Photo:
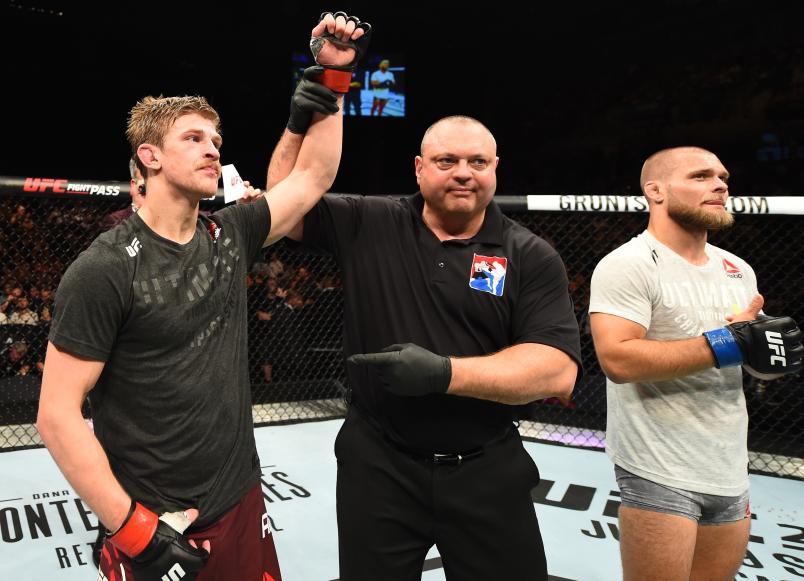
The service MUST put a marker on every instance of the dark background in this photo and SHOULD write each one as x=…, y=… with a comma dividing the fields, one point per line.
x=577, y=93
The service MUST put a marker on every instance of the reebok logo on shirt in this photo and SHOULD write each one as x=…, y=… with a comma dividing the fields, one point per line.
x=731, y=270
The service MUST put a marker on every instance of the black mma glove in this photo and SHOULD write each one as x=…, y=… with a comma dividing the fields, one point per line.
x=335, y=77
x=157, y=550
x=766, y=345
x=310, y=97
x=408, y=370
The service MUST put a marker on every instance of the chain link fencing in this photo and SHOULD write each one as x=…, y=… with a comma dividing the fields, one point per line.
x=295, y=323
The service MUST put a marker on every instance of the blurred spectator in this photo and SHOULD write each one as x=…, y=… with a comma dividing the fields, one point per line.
x=295, y=301
x=303, y=284
x=15, y=360
x=276, y=267
x=46, y=311
x=21, y=218
x=12, y=295
x=22, y=313
x=260, y=269
x=327, y=284
x=274, y=293
x=35, y=299
x=5, y=292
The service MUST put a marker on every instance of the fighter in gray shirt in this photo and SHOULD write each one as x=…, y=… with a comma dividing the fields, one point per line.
x=672, y=319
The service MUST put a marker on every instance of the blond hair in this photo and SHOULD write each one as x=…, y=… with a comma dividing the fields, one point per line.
x=151, y=118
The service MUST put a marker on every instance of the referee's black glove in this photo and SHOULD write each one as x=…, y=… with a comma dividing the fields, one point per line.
x=310, y=97
x=408, y=370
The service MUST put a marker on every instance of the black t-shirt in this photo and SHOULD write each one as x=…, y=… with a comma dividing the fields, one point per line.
x=502, y=287
x=172, y=407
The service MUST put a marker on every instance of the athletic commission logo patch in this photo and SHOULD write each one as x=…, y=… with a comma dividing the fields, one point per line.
x=488, y=274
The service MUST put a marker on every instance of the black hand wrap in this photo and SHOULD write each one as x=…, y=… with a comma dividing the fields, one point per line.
x=336, y=77
x=768, y=345
x=168, y=556
x=310, y=97
x=408, y=370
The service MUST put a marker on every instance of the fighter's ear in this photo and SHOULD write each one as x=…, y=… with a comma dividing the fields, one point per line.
x=149, y=156
x=653, y=192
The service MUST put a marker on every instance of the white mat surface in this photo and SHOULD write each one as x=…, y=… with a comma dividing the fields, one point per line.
x=45, y=532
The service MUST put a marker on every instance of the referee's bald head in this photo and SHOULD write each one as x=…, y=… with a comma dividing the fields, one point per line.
x=431, y=133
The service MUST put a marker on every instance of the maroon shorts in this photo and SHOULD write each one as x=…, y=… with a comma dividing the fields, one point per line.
x=241, y=543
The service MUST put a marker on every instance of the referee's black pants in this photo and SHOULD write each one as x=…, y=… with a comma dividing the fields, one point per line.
x=392, y=507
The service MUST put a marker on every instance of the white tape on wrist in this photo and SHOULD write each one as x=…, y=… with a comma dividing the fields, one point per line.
x=176, y=520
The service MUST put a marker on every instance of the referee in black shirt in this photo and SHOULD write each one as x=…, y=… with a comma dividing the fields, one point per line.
x=453, y=316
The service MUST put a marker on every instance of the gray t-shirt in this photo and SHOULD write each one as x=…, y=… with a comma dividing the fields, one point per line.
x=172, y=407
x=690, y=432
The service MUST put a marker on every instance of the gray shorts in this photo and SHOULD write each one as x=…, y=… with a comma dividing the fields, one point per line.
x=705, y=509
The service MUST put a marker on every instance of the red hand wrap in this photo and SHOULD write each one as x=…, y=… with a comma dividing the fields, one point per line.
x=136, y=532
x=337, y=81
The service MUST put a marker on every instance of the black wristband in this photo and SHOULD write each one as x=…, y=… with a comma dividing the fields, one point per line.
x=125, y=520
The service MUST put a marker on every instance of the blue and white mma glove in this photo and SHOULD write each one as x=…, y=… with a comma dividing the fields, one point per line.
x=767, y=347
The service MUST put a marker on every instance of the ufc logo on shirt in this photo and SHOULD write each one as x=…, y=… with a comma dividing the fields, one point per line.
x=776, y=344
x=134, y=247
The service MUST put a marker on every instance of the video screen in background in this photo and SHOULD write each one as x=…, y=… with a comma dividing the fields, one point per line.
x=377, y=88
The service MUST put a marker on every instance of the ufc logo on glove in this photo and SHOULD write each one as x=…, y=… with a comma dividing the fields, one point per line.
x=776, y=343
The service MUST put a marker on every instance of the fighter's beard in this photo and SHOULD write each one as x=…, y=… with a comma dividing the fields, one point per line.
x=698, y=218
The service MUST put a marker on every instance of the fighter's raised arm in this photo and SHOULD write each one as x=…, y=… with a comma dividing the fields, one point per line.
x=304, y=163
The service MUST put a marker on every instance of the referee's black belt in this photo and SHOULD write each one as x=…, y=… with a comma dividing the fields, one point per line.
x=435, y=458
x=455, y=459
